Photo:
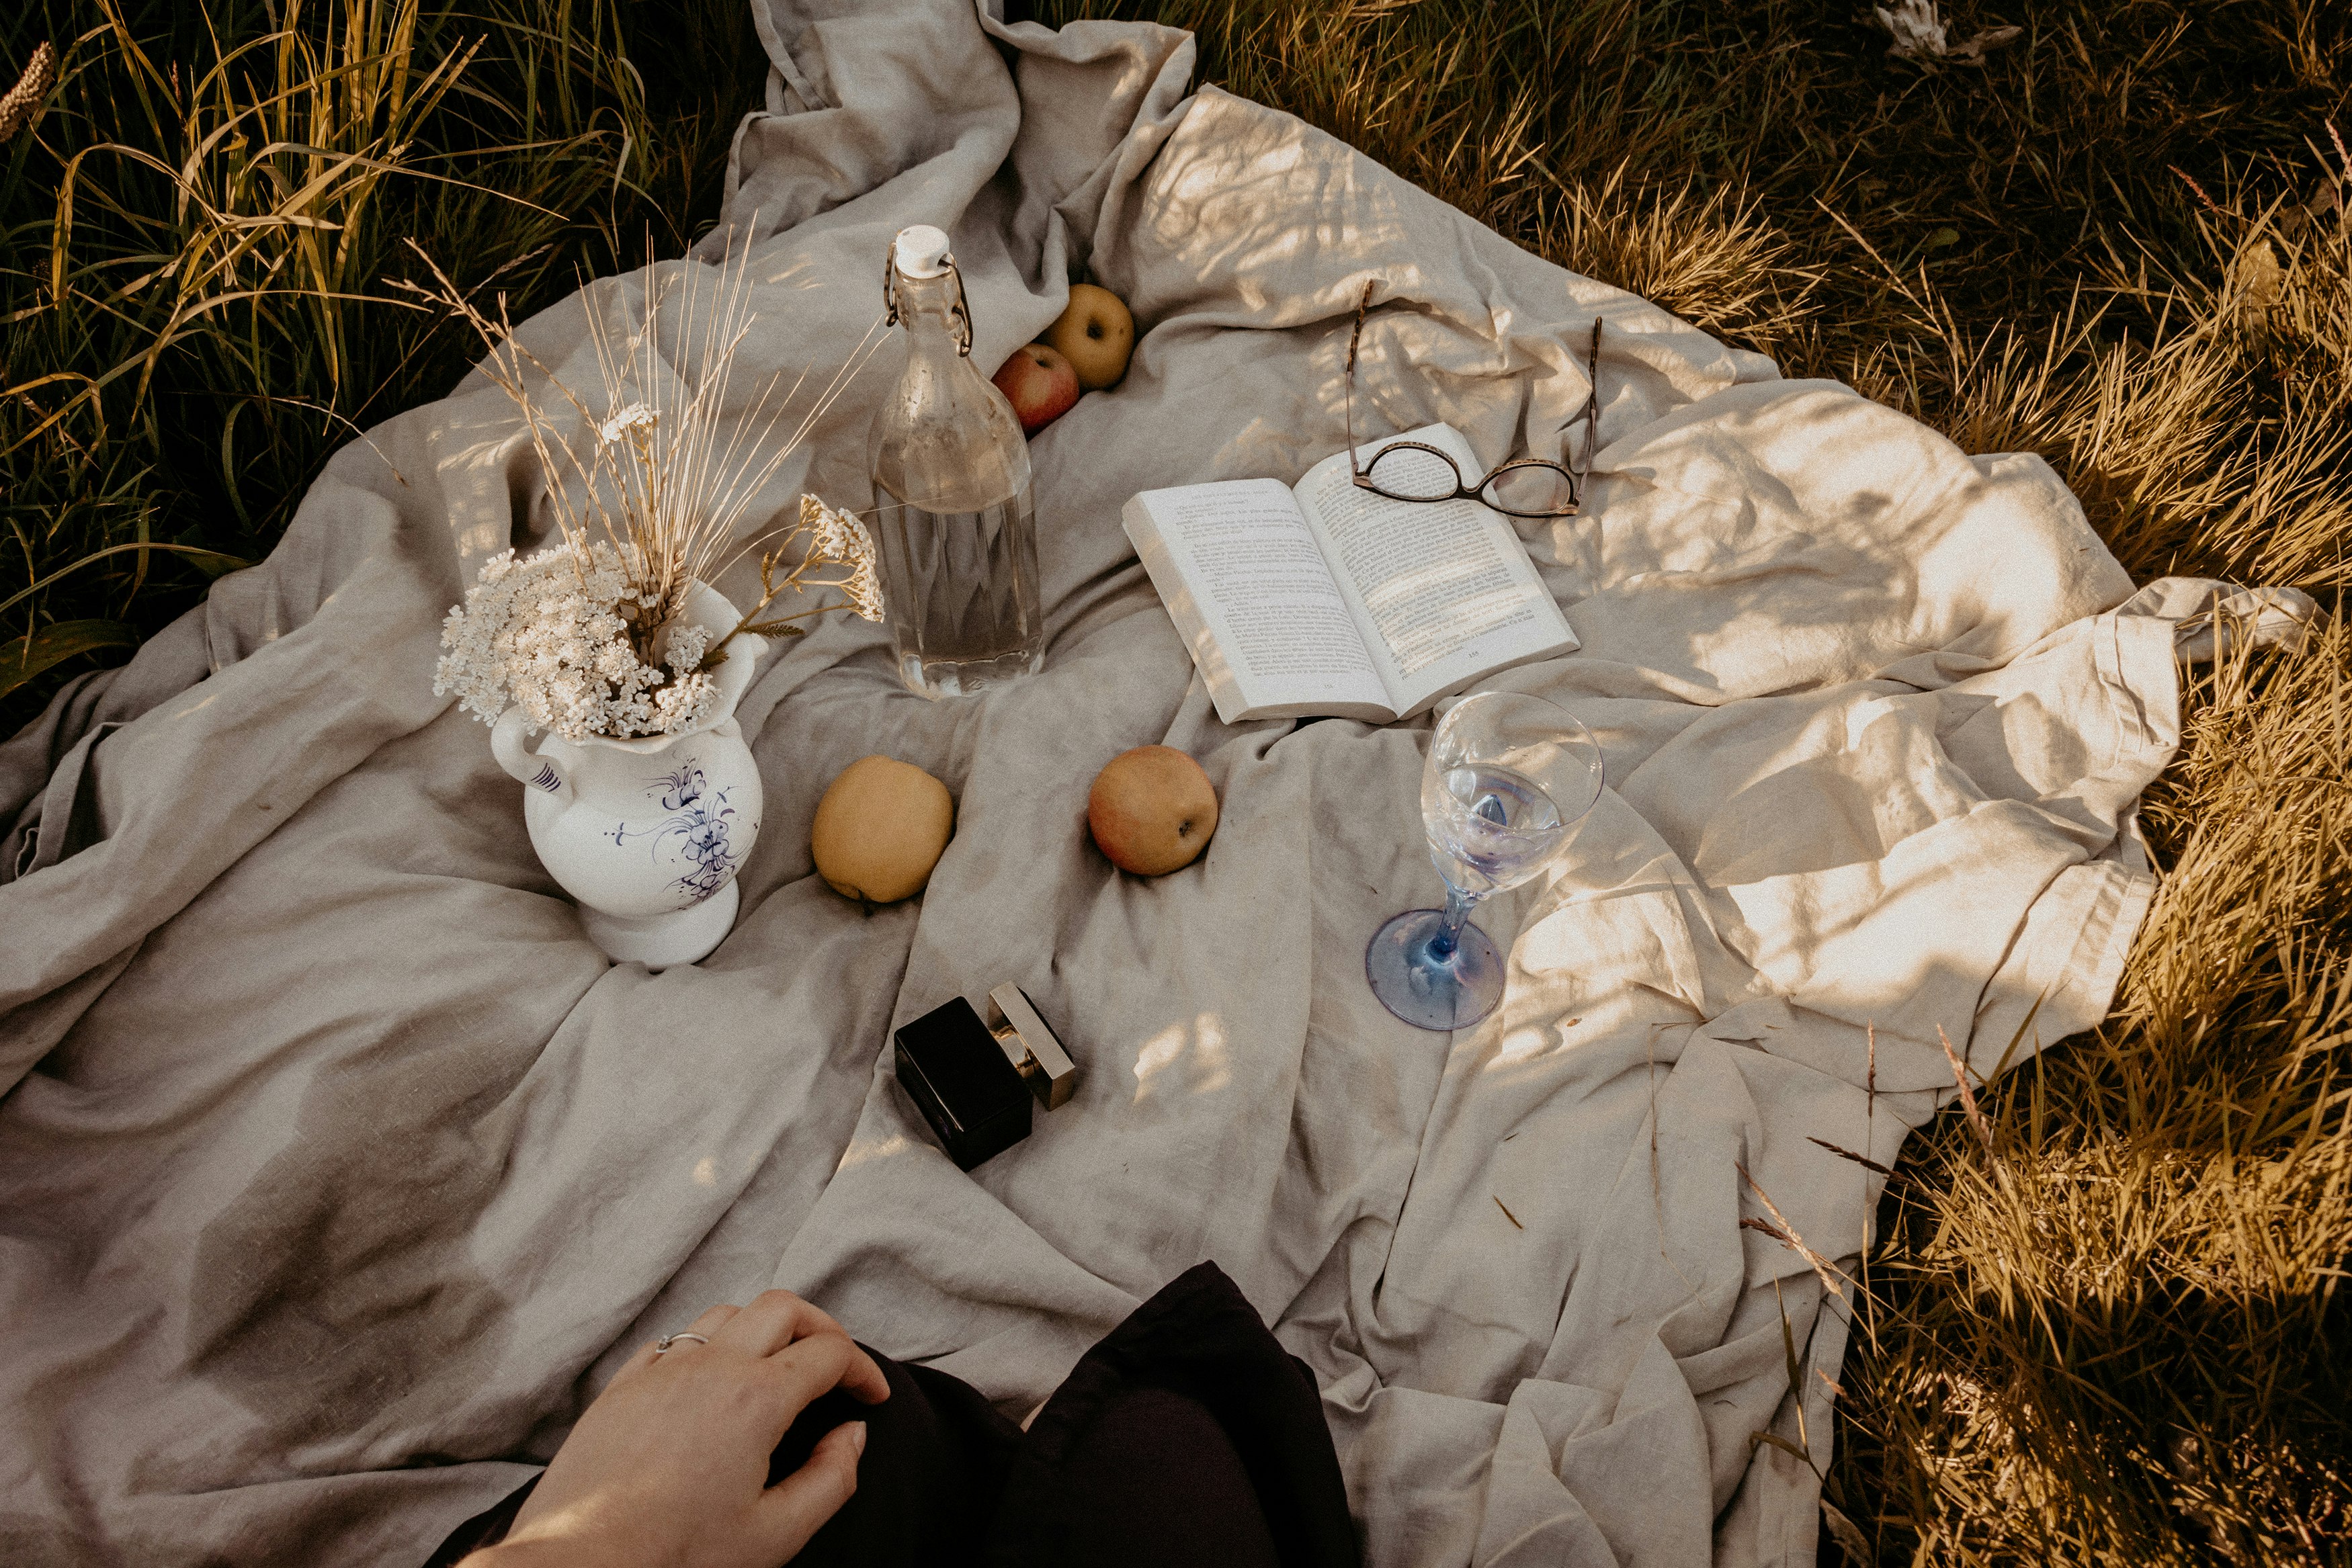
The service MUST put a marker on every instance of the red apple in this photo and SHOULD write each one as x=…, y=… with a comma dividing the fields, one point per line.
x=1039, y=383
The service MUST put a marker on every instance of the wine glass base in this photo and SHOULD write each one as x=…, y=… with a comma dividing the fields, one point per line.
x=1427, y=992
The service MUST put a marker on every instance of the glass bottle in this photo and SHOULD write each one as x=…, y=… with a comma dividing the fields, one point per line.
x=955, y=528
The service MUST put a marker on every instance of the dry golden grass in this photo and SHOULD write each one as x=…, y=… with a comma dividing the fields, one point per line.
x=2115, y=1337
x=199, y=225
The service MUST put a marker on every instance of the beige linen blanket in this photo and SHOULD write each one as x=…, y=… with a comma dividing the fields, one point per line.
x=337, y=1169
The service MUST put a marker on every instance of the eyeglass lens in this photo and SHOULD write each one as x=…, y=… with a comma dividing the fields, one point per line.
x=1415, y=474
x=1534, y=487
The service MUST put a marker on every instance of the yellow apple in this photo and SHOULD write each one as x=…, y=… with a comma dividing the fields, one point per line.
x=1151, y=810
x=1095, y=334
x=880, y=829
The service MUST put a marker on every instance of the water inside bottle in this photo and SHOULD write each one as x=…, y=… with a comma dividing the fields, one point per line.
x=963, y=589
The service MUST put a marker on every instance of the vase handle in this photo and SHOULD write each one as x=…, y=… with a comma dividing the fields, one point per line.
x=514, y=754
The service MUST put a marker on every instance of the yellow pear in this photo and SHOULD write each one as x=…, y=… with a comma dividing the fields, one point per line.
x=880, y=829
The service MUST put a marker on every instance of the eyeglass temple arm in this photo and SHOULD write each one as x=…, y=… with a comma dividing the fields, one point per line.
x=1348, y=383
x=1591, y=408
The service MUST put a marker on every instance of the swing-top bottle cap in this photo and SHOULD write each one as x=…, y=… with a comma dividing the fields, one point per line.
x=921, y=251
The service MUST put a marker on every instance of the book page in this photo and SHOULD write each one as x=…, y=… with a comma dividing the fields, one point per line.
x=1269, y=624
x=1444, y=589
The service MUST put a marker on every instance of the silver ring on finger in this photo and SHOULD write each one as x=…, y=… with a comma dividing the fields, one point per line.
x=669, y=1342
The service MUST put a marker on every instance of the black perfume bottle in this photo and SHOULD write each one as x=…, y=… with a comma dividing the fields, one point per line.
x=973, y=1080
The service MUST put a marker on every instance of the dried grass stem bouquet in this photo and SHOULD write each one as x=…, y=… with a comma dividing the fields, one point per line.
x=593, y=637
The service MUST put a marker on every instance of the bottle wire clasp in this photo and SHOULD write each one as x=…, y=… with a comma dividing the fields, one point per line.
x=956, y=312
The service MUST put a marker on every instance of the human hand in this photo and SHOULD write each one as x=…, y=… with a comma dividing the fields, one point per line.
x=669, y=1466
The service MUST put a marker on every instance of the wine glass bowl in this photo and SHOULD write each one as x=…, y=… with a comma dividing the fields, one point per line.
x=1507, y=778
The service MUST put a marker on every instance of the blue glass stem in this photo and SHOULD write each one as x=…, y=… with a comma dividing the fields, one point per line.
x=1457, y=911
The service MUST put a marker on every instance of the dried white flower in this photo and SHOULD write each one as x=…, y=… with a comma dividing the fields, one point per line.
x=833, y=534
x=637, y=416
x=864, y=590
x=838, y=537
x=546, y=633
x=687, y=641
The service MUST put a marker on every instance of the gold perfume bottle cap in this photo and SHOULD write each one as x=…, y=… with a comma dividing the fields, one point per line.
x=1032, y=1046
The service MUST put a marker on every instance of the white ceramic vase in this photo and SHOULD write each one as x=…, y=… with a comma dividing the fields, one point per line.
x=647, y=835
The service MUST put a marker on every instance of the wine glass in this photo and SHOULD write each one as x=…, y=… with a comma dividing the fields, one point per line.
x=1508, y=780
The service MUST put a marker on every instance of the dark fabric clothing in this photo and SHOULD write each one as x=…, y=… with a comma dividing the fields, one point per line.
x=936, y=1453
x=1186, y=1436
x=1190, y=1410
x=1156, y=1484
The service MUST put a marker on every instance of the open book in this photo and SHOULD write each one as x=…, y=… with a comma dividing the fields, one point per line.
x=1322, y=598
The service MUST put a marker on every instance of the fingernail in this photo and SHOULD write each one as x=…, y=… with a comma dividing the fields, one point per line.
x=858, y=1436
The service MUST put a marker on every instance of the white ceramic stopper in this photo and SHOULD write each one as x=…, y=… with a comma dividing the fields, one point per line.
x=921, y=251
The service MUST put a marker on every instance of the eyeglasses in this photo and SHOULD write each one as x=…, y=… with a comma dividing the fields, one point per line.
x=1522, y=487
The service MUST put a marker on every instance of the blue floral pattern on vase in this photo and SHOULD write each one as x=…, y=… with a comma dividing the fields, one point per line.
x=699, y=817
